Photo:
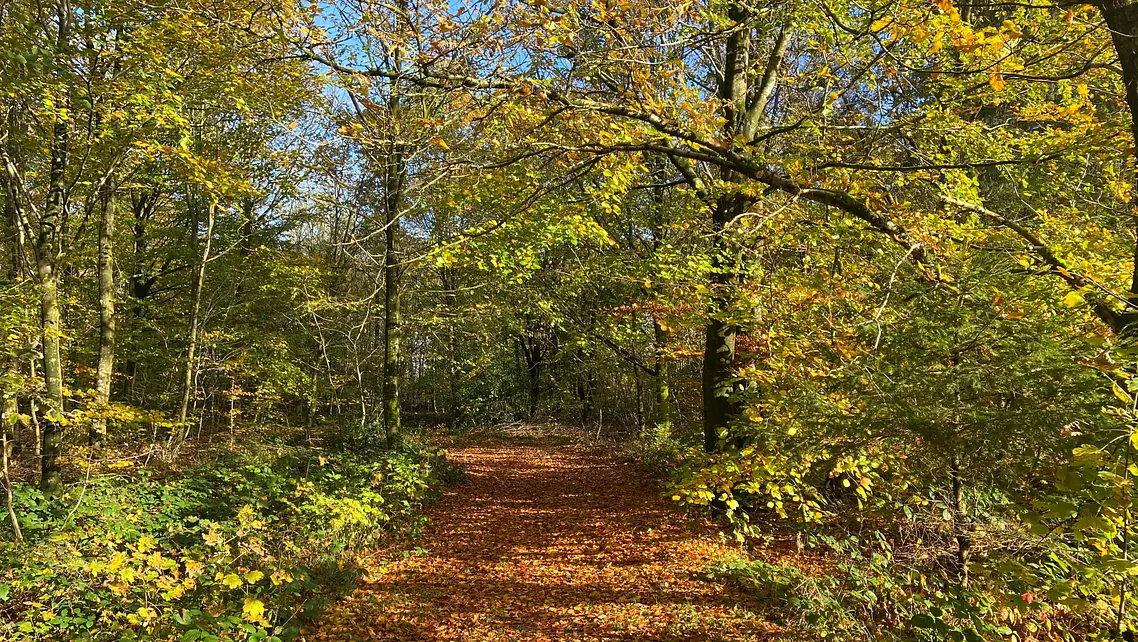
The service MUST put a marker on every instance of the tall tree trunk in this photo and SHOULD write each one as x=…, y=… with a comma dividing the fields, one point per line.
x=139, y=291
x=16, y=240
x=534, y=356
x=663, y=408
x=960, y=525
x=638, y=384
x=454, y=406
x=47, y=257
x=395, y=174
x=721, y=406
x=14, y=243
x=141, y=284
x=392, y=425
x=195, y=319
x=48, y=249
x=10, y=178
x=1122, y=18
x=105, y=368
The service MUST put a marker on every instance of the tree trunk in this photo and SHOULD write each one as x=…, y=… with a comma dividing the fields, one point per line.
x=104, y=369
x=34, y=411
x=14, y=242
x=450, y=285
x=47, y=275
x=1122, y=18
x=50, y=320
x=392, y=425
x=638, y=384
x=534, y=389
x=533, y=361
x=195, y=319
x=13, y=219
x=395, y=174
x=6, y=452
x=663, y=409
x=721, y=407
x=960, y=526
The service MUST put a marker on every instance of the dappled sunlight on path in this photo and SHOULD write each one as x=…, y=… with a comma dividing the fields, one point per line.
x=548, y=542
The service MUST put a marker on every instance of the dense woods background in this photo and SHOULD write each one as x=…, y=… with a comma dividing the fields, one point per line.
x=864, y=271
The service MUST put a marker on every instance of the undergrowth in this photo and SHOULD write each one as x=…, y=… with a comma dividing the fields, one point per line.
x=246, y=548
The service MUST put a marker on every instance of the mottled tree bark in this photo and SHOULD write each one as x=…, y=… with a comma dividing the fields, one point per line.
x=395, y=175
x=392, y=331
x=105, y=367
x=48, y=245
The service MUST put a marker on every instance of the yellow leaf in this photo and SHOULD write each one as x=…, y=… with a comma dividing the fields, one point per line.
x=1072, y=299
x=194, y=568
x=253, y=577
x=440, y=142
x=937, y=44
x=996, y=80
x=254, y=610
x=232, y=580
x=147, y=613
x=1122, y=395
x=118, y=560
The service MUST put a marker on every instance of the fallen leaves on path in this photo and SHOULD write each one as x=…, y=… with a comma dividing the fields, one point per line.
x=548, y=542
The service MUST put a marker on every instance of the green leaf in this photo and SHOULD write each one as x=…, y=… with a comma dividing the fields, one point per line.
x=922, y=621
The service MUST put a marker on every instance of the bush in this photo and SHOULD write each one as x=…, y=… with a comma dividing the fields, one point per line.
x=244, y=549
x=863, y=592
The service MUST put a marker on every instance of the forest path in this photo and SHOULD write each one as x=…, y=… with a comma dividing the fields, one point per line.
x=548, y=540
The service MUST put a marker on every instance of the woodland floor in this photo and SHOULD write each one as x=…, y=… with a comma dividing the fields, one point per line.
x=549, y=539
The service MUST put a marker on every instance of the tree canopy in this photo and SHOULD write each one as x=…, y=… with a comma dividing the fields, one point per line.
x=864, y=271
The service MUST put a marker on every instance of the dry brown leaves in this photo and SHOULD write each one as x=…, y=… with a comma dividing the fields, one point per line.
x=547, y=542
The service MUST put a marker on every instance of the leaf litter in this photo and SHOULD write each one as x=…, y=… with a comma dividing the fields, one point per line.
x=549, y=541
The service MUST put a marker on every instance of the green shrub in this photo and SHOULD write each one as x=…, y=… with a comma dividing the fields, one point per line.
x=242, y=549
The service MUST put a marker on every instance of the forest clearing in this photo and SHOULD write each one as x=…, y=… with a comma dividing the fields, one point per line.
x=568, y=320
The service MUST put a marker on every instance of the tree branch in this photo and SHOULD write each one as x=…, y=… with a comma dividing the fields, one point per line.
x=1054, y=264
